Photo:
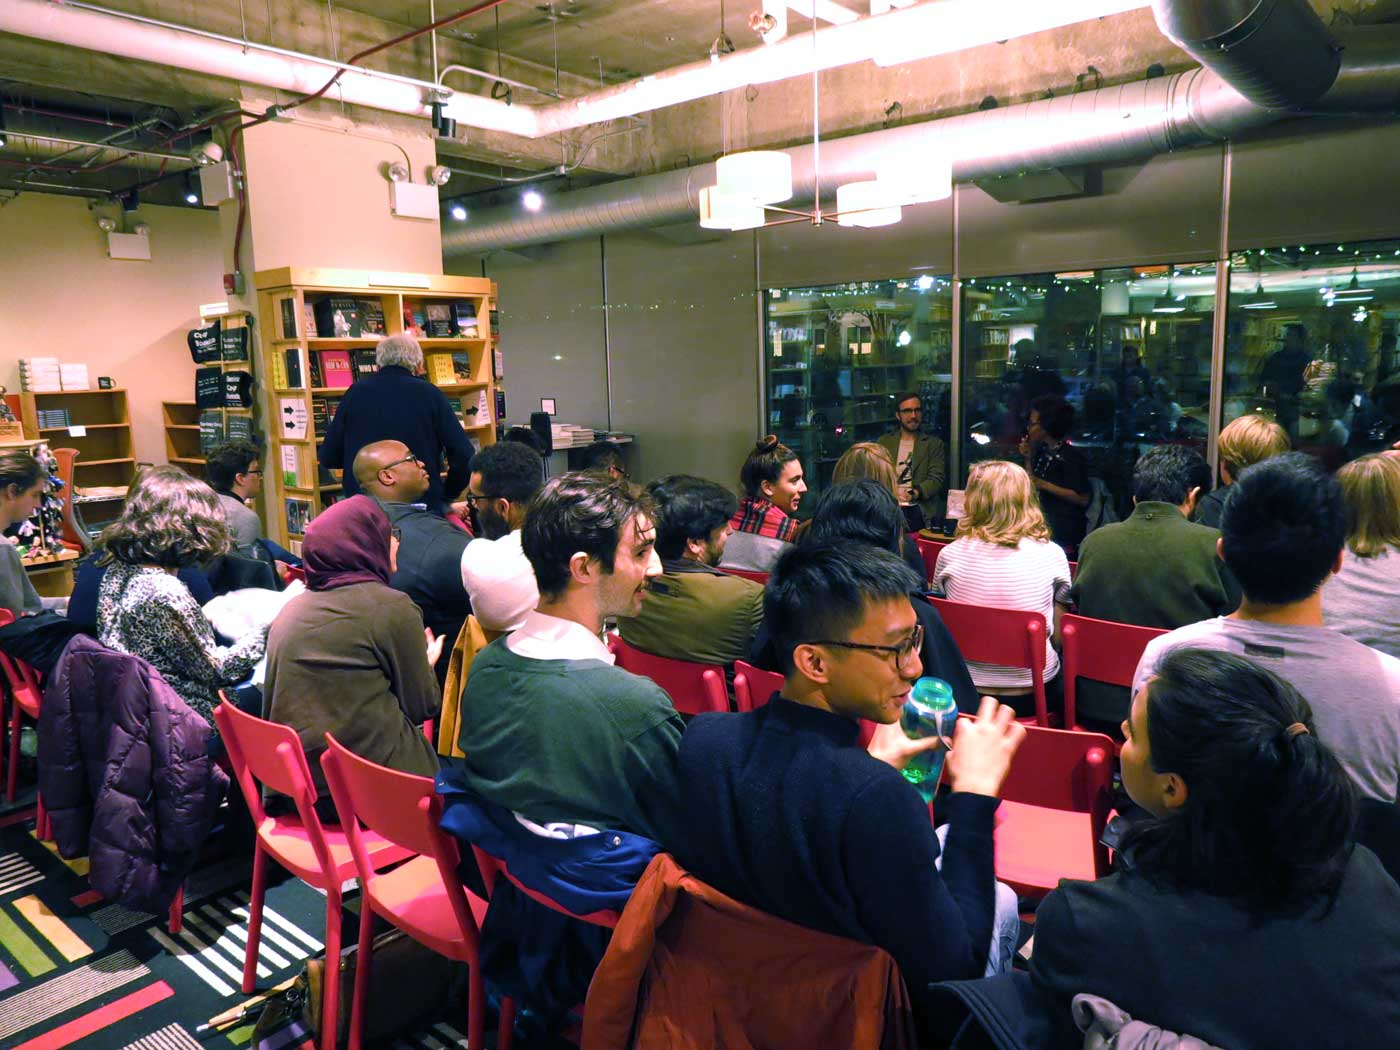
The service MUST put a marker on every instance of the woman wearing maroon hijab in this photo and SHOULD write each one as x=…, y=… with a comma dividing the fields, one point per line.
x=347, y=657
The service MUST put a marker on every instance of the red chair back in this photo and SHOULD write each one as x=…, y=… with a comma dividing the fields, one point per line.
x=693, y=688
x=23, y=679
x=754, y=687
x=1099, y=649
x=929, y=549
x=1064, y=770
x=1008, y=637
x=294, y=572
x=760, y=578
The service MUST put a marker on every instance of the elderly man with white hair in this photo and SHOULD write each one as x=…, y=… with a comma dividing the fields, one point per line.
x=396, y=403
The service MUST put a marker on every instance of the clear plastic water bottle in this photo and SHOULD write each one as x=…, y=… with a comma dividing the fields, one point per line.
x=929, y=711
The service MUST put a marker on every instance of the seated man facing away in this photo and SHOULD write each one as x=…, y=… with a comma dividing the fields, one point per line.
x=494, y=570
x=430, y=548
x=782, y=810
x=694, y=611
x=1157, y=569
x=550, y=728
x=1282, y=536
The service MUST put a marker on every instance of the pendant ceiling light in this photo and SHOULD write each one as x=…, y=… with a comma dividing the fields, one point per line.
x=915, y=178
x=757, y=176
x=719, y=212
x=1169, y=303
x=1259, y=300
x=865, y=204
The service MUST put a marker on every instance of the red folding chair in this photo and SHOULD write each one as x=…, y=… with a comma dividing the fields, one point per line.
x=269, y=753
x=1008, y=637
x=754, y=687
x=423, y=897
x=294, y=572
x=693, y=688
x=1054, y=806
x=1099, y=649
x=26, y=695
x=760, y=578
x=929, y=549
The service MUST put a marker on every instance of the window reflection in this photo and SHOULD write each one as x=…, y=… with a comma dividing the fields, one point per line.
x=1310, y=343
x=1127, y=349
x=839, y=357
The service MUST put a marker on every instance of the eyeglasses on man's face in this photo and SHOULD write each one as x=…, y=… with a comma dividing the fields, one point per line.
x=407, y=459
x=901, y=652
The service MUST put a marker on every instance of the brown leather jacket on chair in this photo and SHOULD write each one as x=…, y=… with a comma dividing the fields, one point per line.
x=689, y=967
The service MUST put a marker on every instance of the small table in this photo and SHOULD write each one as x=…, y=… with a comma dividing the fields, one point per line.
x=52, y=574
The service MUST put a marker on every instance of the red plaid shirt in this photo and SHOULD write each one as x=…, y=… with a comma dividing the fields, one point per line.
x=762, y=518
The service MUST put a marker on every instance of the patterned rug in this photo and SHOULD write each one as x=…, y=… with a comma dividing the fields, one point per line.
x=76, y=970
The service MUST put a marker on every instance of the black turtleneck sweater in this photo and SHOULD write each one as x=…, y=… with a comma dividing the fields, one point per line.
x=783, y=810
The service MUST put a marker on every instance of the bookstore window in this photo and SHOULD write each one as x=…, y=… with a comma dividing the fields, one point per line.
x=838, y=358
x=1129, y=350
x=1310, y=343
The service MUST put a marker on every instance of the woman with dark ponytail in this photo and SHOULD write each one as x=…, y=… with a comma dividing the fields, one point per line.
x=1246, y=915
x=22, y=482
x=771, y=487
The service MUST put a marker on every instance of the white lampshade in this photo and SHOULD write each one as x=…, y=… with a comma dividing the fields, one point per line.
x=719, y=212
x=865, y=204
x=915, y=177
x=758, y=177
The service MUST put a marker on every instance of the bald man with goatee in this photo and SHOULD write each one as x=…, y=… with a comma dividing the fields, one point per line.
x=429, y=552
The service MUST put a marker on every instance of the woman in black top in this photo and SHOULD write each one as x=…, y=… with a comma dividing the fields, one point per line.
x=1057, y=469
x=1247, y=916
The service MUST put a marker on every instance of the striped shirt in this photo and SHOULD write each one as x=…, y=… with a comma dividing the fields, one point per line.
x=763, y=518
x=1033, y=575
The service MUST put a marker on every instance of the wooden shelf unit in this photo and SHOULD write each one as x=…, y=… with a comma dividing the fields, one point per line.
x=285, y=335
x=181, y=422
x=106, y=455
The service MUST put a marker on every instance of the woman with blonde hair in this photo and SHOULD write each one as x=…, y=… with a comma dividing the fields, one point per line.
x=1245, y=441
x=1003, y=557
x=170, y=522
x=1362, y=600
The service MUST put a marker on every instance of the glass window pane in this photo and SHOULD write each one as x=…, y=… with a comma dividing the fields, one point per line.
x=839, y=357
x=1310, y=344
x=1127, y=349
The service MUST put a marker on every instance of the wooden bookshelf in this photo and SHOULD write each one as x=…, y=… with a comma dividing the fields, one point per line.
x=99, y=428
x=181, y=422
x=462, y=366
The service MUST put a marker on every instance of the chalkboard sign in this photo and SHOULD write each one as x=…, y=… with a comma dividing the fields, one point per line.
x=204, y=343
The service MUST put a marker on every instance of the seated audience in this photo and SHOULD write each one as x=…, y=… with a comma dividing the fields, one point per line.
x=170, y=521
x=347, y=657
x=551, y=729
x=1245, y=914
x=867, y=459
x=233, y=472
x=864, y=511
x=1002, y=557
x=605, y=456
x=1057, y=469
x=1363, y=599
x=694, y=611
x=22, y=482
x=1282, y=536
x=1245, y=441
x=1157, y=569
x=782, y=810
x=429, y=555
x=494, y=570
x=763, y=526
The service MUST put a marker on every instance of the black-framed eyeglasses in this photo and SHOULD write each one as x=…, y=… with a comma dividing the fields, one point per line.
x=471, y=501
x=259, y=472
x=406, y=459
x=913, y=644
x=907, y=411
x=397, y=533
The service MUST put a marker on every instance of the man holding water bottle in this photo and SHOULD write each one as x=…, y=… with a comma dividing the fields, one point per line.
x=784, y=811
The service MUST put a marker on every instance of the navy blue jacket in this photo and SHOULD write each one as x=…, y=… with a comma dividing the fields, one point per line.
x=782, y=810
x=395, y=405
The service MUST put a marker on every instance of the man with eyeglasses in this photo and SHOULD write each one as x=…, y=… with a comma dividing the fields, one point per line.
x=499, y=578
x=920, y=463
x=233, y=471
x=784, y=811
x=430, y=548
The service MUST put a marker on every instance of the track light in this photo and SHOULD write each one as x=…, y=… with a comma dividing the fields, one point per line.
x=191, y=194
x=439, y=174
x=532, y=200
x=131, y=200
x=444, y=125
x=458, y=212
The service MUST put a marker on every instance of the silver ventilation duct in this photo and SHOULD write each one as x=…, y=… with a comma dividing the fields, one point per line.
x=1111, y=125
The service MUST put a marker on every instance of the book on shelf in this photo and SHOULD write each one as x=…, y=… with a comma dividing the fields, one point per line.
x=495, y=323
x=461, y=368
x=233, y=343
x=308, y=315
x=327, y=476
x=440, y=369
x=500, y=406
x=415, y=322
x=291, y=365
x=279, y=370
x=371, y=317
x=319, y=416
x=362, y=363
x=464, y=319
x=287, y=311
x=338, y=317
x=298, y=513
x=53, y=418
x=291, y=468
x=335, y=367
x=313, y=360
x=439, y=320
x=498, y=362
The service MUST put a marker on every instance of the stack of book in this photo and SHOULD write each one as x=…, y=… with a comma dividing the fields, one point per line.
x=52, y=418
x=570, y=435
x=73, y=377
x=40, y=374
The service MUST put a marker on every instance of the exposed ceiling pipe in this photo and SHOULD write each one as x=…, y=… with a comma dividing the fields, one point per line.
x=40, y=146
x=938, y=27
x=1114, y=124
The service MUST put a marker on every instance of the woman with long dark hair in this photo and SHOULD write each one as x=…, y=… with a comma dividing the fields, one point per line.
x=1245, y=915
x=771, y=488
x=21, y=490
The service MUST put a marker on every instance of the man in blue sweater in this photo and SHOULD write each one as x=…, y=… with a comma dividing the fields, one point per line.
x=397, y=403
x=781, y=809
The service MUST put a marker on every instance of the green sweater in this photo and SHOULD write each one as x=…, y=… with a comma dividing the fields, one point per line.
x=577, y=741
x=695, y=613
x=1154, y=570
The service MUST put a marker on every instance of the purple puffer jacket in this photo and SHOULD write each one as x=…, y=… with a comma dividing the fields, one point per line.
x=125, y=774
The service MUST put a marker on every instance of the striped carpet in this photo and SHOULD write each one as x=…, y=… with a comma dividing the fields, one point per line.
x=76, y=970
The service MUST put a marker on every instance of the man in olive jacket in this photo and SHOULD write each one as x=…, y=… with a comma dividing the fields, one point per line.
x=921, y=463
x=1157, y=569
